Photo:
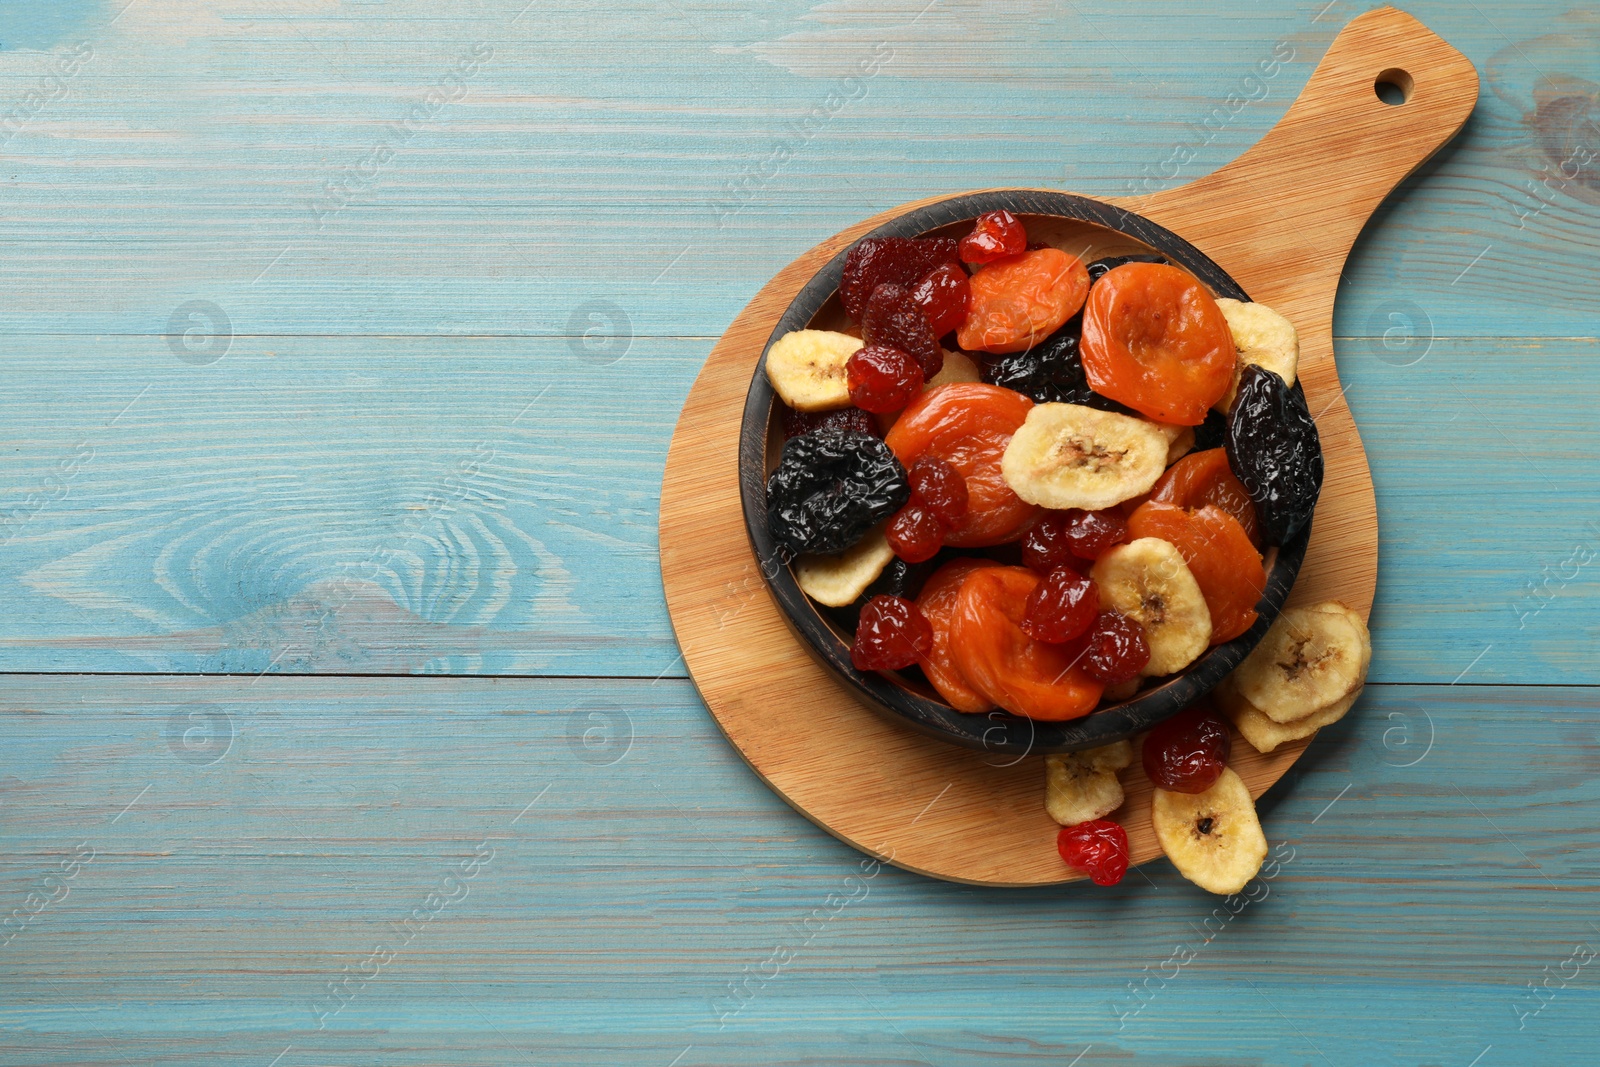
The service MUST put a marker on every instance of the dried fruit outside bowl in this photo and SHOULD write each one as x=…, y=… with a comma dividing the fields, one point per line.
x=1084, y=227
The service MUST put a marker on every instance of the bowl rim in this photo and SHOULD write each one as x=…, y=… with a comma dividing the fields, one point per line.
x=995, y=731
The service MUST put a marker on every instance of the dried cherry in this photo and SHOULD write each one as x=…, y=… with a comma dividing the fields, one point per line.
x=1274, y=451
x=1098, y=847
x=915, y=534
x=894, y=319
x=944, y=294
x=796, y=423
x=891, y=635
x=1061, y=608
x=1091, y=534
x=939, y=488
x=882, y=379
x=995, y=235
x=872, y=261
x=1187, y=753
x=1117, y=650
x=1044, y=543
x=830, y=488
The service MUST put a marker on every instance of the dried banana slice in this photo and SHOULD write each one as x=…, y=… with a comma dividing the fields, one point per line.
x=1265, y=735
x=1079, y=786
x=807, y=368
x=1213, y=838
x=1264, y=338
x=958, y=367
x=839, y=579
x=1071, y=456
x=1148, y=581
x=1309, y=658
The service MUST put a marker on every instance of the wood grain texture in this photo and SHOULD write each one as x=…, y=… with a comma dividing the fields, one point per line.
x=1284, y=237
x=656, y=872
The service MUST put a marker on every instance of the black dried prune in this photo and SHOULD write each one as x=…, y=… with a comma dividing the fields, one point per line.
x=1101, y=267
x=796, y=423
x=1274, y=451
x=830, y=488
x=1051, y=372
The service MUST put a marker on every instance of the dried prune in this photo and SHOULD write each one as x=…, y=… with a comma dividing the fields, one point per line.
x=830, y=488
x=1100, y=267
x=1050, y=372
x=1274, y=451
x=796, y=423
x=894, y=318
x=895, y=260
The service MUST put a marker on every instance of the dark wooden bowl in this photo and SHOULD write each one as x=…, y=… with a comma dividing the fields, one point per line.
x=1078, y=225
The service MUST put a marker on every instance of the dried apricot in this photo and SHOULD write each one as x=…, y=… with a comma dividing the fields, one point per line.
x=1155, y=340
x=1220, y=556
x=968, y=425
x=999, y=660
x=937, y=603
x=1020, y=300
x=1202, y=478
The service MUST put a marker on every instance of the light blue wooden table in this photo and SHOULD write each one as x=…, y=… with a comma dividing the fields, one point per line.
x=342, y=344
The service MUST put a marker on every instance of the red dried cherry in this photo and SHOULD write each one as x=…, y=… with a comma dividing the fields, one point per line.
x=854, y=420
x=890, y=636
x=1061, y=608
x=896, y=260
x=1098, y=847
x=914, y=533
x=1118, y=649
x=892, y=318
x=1188, y=752
x=943, y=294
x=939, y=488
x=1093, y=533
x=994, y=236
x=1044, y=544
x=882, y=378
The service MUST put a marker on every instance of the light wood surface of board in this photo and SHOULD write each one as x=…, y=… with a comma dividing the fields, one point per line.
x=1282, y=225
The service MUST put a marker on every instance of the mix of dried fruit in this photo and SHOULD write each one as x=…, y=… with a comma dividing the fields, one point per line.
x=1133, y=442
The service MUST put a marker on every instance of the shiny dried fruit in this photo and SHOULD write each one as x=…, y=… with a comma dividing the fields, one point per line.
x=938, y=603
x=882, y=379
x=1202, y=478
x=1091, y=534
x=1044, y=543
x=894, y=319
x=1188, y=752
x=830, y=488
x=1020, y=300
x=1117, y=650
x=1061, y=608
x=873, y=261
x=1154, y=339
x=939, y=488
x=944, y=295
x=1274, y=451
x=891, y=635
x=1219, y=554
x=995, y=235
x=969, y=425
x=796, y=423
x=1098, y=847
x=914, y=533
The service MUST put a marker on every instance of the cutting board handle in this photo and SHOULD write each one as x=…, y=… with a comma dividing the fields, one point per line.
x=1298, y=198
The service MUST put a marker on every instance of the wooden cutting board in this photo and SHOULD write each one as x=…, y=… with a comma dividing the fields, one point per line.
x=1281, y=220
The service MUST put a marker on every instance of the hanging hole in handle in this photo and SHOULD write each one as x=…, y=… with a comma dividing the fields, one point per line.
x=1393, y=86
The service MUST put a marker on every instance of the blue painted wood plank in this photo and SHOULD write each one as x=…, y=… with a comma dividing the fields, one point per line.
x=602, y=864
x=669, y=161
x=394, y=505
